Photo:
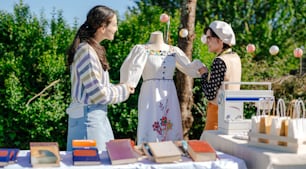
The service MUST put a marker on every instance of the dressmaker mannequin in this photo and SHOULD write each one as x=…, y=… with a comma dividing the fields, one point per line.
x=159, y=114
x=156, y=41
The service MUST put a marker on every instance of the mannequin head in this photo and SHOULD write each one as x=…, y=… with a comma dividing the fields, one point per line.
x=156, y=41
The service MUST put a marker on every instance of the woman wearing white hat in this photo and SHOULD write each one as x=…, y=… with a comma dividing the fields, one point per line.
x=226, y=67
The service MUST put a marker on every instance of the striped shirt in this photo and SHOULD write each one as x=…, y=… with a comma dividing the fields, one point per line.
x=90, y=84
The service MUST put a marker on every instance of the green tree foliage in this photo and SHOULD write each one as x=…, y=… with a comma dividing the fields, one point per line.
x=33, y=78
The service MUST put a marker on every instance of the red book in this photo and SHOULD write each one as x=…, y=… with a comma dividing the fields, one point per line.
x=121, y=151
x=201, y=151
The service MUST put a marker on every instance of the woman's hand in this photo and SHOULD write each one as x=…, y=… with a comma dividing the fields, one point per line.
x=197, y=64
x=203, y=70
x=132, y=90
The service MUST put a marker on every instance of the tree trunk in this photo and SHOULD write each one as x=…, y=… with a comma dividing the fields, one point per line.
x=184, y=83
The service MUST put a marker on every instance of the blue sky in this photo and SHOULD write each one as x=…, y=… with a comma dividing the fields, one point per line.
x=71, y=8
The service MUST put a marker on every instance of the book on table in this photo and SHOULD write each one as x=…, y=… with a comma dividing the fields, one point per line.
x=8, y=156
x=13, y=155
x=200, y=150
x=85, y=152
x=4, y=157
x=163, y=152
x=44, y=154
x=85, y=156
x=147, y=151
x=121, y=151
x=84, y=143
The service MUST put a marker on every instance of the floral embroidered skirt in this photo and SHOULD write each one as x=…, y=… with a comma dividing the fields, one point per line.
x=159, y=115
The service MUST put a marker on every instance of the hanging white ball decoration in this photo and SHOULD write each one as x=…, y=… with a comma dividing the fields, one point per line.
x=204, y=39
x=164, y=18
x=274, y=50
x=250, y=48
x=183, y=33
x=298, y=52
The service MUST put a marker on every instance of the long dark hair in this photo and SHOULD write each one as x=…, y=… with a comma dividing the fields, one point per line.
x=98, y=16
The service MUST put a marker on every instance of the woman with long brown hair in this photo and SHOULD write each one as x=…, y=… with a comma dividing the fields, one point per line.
x=91, y=90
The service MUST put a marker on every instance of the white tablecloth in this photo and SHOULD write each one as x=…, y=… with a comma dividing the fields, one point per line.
x=254, y=157
x=225, y=161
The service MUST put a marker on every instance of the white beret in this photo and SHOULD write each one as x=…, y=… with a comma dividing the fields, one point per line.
x=224, y=32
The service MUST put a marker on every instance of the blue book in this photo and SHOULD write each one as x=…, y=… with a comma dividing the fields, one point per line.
x=4, y=157
x=13, y=154
x=85, y=156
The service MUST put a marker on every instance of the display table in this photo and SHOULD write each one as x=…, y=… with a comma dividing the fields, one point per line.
x=254, y=157
x=225, y=161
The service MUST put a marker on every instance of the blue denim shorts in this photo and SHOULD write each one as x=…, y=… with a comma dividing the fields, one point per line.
x=94, y=125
